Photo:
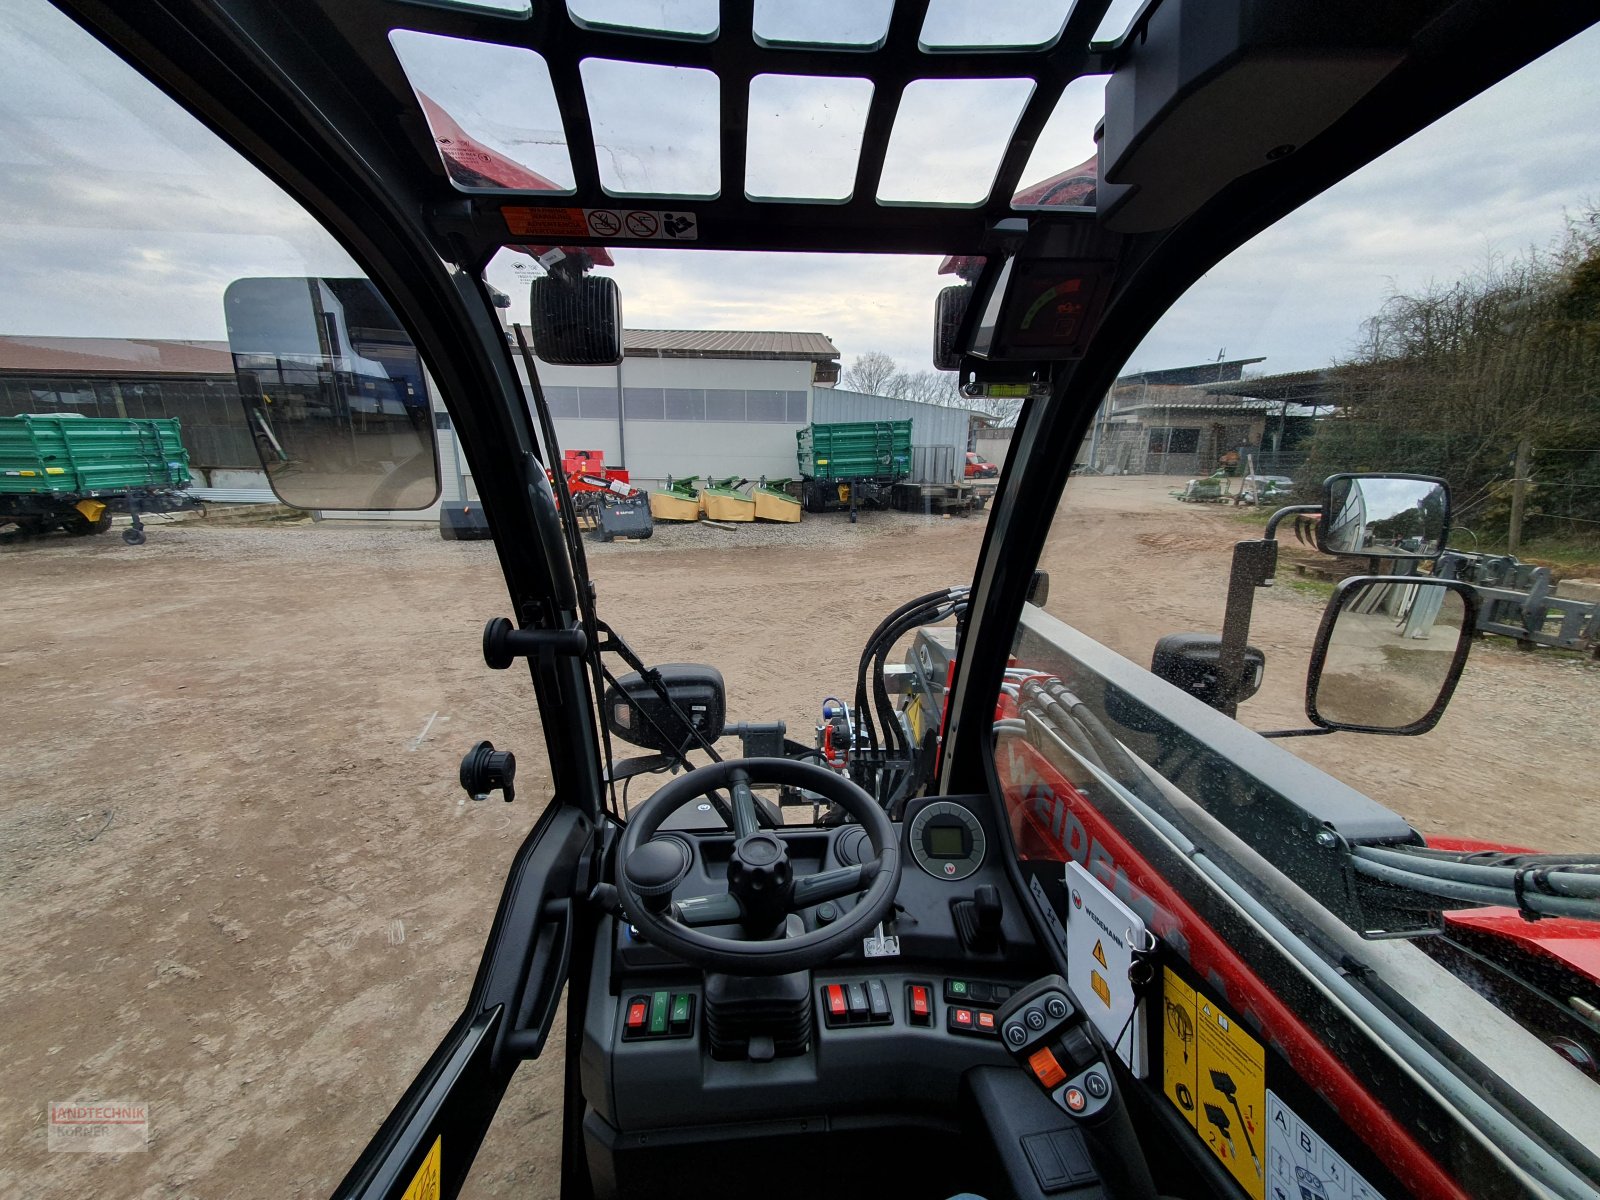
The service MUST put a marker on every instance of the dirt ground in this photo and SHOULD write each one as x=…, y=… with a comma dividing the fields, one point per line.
x=236, y=876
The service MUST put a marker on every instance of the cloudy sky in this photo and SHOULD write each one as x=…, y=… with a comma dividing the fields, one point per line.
x=121, y=217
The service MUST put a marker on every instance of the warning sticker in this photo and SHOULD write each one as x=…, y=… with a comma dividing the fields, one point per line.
x=425, y=1183
x=1178, y=1062
x=640, y=224
x=545, y=222
x=1102, y=933
x=613, y=224
x=1215, y=1073
x=1300, y=1166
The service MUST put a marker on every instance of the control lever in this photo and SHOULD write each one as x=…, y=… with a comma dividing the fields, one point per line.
x=978, y=920
x=1059, y=1051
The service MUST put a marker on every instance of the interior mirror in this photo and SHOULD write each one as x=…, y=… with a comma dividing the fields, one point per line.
x=636, y=712
x=1389, y=652
x=334, y=394
x=949, y=310
x=1384, y=516
x=576, y=320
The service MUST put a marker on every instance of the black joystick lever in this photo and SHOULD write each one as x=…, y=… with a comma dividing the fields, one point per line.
x=1051, y=1041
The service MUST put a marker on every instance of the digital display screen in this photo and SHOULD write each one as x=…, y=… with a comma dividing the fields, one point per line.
x=945, y=841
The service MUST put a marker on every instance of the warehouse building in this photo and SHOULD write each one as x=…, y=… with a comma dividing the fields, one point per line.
x=682, y=402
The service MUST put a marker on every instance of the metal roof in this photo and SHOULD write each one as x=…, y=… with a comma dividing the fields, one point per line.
x=1304, y=387
x=113, y=356
x=1200, y=373
x=727, y=343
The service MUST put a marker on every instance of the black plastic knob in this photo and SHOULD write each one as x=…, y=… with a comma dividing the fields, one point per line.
x=657, y=867
x=485, y=769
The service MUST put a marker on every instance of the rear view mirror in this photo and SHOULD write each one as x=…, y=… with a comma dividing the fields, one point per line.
x=636, y=712
x=949, y=310
x=1384, y=516
x=334, y=394
x=576, y=320
x=1389, y=652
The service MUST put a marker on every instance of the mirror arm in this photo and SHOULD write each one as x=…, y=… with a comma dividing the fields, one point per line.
x=1289, y=733
x=1254, y=563
x=1292, y=510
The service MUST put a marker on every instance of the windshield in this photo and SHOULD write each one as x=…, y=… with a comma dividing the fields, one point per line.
x=1433, y=315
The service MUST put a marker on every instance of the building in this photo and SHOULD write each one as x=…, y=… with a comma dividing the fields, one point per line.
x=694, y=401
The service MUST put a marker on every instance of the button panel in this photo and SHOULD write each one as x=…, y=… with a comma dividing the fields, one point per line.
x=977, y=1022
x=861, y=1002
x=658, y=1015
x=976, y=991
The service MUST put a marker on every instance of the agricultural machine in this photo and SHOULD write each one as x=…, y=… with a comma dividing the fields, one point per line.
x=602, y=498
x=72, y=473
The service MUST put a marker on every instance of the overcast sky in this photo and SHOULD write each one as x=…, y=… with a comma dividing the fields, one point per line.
x=121, y=217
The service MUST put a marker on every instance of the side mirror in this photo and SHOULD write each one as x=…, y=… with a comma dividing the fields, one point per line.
x=1384, y=516
x=576, y=320
x=1389, y=652
x=1189, y=661
x=335, y=397
x=636, y=712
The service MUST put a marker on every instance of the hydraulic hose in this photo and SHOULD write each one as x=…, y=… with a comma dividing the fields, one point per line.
x=867, y=652
x=1471, y=893
x=1576, y=885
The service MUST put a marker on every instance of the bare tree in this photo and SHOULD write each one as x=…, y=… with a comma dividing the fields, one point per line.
x=870, y=373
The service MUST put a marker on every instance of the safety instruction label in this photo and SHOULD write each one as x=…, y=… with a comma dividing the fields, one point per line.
x=613, y=224
x=425, y=1183
x=1301, y=1166
x=1102, y=934
x=1215, y=1073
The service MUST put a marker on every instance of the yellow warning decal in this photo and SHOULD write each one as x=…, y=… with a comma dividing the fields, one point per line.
x=1101, y=988
x=1100, y=954
x=425, y=1183
x=1214, y=1072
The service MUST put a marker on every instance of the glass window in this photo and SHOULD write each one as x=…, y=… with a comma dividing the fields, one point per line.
x=988, y=25
x=862, y=24
x=491, y=109
x=948, y=138
x=685, y=18
x=1389, y=326
x=804, y=136
x=656, y=129
x=1061, y=170
x=227, y=782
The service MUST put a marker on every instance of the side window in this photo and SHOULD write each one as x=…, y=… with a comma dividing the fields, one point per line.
x=1418, y=320
x=233, y=878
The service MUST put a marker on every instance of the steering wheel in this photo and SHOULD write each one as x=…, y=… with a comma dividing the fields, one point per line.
x=762, y=887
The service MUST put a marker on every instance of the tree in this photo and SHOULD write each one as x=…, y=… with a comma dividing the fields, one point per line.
x=1447, y=381
x=870, y=373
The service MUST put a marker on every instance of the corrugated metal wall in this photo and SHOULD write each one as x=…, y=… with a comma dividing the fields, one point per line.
x=938, y=434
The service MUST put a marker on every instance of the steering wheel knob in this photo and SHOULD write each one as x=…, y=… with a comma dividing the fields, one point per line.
x=657, y=867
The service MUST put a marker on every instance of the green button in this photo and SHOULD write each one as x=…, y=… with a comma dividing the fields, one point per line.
x=958, y=987
x=658, y=1012
x=680, y=1010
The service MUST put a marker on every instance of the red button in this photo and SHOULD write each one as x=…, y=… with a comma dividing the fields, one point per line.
x=963, y=1016
x=986, y=1020
x=836, y=1003
x=636, y=1014
x=1075, y=1100
x=919, y=1001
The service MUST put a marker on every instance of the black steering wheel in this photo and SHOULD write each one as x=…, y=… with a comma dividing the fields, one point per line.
x=762, y=887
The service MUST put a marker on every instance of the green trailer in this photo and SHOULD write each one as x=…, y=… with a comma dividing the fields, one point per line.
x=852, y=464
x=63, y=471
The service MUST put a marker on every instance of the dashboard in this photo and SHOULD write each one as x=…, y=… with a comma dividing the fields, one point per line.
x=892, y=1024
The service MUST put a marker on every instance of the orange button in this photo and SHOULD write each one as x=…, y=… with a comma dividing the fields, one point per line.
x=1045, y=1067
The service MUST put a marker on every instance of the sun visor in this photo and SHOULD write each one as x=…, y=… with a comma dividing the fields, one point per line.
x=1209, y=90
